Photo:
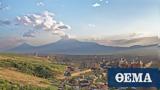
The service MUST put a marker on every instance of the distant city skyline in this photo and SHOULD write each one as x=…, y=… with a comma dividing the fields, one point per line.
x=107, y=22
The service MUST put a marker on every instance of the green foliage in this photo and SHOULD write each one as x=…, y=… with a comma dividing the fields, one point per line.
x=36, y=69
x=6, y=85
x=35, y=66
x=44, y=72
x=40, y=68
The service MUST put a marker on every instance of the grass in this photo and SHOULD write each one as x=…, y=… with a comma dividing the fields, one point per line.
x=30, y=70
x=31, y=65
x=15, y=76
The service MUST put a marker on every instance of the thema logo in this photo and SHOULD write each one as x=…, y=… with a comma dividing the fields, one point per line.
x=133, y=77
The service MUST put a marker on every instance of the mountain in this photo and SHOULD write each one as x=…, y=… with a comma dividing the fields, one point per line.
x=149, y=50
x=23, y=48
x=73, y=47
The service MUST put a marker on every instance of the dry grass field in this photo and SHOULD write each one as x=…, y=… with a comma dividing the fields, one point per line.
x=25, y=70
x=15, y=76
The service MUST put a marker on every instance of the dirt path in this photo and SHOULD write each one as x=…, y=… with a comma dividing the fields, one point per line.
x=76, y=73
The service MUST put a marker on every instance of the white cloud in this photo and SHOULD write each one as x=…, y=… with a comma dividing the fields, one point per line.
x=40, y=4
x=124, y=40
x=100, y=3
x=44, y=21
x=96, y=5
x=106, y=2
x=130, y=42
x=92, y=25
x=61, y=26
x=29, y=34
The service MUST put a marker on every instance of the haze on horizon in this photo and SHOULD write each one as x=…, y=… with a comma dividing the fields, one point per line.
x=107, y=22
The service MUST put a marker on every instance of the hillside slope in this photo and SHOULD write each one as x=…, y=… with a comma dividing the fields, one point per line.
x=28, y=72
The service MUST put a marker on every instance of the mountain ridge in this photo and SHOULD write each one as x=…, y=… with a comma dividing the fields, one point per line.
x=72, y=46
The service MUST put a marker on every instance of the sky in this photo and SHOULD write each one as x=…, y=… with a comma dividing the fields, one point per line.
x=107, y=22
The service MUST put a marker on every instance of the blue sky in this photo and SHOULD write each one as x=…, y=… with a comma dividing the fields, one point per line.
x=109, y=19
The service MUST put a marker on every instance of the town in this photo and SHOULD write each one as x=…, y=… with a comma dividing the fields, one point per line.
x=91, y=72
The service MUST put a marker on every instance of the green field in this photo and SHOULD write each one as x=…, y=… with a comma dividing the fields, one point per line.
x=24, y=72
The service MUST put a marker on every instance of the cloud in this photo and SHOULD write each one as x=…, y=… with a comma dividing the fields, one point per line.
x=92, y=25
x=96, y=5
x=3, y=7
x=60, y=33
x=100, y=3
x=5, y=22
x=44, y=21
x=106, y=2
x=61, y=26
x=130, y=42
x=40, y=4
x=29, y=34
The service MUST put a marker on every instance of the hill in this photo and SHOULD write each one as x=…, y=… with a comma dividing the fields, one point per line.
x=28, y=72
